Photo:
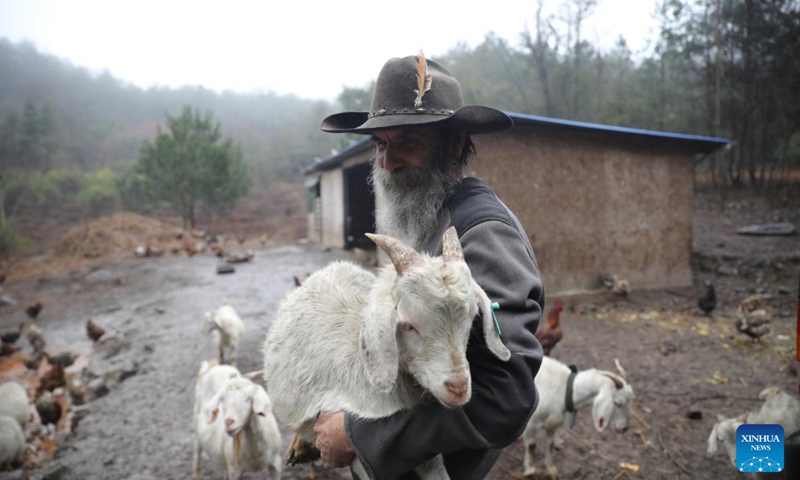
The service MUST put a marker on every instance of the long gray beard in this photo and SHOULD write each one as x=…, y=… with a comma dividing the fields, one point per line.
x=408, y=203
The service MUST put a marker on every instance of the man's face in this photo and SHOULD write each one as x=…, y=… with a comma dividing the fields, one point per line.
x=411, y=177
x=398, y=149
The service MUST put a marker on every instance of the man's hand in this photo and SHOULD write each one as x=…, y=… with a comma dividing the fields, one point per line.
x=332, y=442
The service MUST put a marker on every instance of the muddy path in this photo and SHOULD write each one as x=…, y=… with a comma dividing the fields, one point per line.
x=142, y=428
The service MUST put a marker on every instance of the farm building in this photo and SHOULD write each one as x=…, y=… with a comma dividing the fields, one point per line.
x=595, y=199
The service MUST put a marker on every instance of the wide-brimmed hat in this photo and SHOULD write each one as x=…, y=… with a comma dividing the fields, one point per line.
x=413, y=91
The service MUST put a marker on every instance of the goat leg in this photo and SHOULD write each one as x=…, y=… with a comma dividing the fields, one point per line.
x=196, y=459
x=529, y=437
x=549, y=464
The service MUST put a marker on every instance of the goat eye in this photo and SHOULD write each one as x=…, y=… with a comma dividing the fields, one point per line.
x=408, y=327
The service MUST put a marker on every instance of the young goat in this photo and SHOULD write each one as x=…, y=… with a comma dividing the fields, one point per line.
x=12, y=442
x=233, y=424
x=778, y=408
x=348, y=340
x=228, y=330
x=609, y=395
x=14, y=403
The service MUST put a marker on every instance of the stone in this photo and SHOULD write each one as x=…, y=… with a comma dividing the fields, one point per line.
x=225, y=269
x=694, y=413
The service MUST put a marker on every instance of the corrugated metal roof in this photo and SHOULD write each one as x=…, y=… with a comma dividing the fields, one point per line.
x=699, y=143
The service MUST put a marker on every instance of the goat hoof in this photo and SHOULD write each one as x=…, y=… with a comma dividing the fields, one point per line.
x=301, y=452
x=530, y=472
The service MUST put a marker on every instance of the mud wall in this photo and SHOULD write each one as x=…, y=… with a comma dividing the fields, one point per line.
x=595, y=204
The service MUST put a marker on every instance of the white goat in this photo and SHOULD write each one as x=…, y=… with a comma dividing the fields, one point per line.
x=778, y=408
x=233, y=424
x=12, y=442
x=609, y=395
x=228, y=330
x=348, y=340
x=14, y=403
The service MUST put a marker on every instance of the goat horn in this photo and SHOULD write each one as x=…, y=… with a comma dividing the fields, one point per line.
x=451, y=247
x=402, y=256
x=619, y=367
x=253, y=375
x=617, y=382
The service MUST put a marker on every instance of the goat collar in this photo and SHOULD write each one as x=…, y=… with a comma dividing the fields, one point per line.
x=570, y=384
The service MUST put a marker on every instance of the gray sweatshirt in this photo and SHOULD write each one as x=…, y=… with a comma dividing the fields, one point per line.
x=471, y=437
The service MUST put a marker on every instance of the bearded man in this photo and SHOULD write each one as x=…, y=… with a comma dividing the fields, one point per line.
x=421, y=130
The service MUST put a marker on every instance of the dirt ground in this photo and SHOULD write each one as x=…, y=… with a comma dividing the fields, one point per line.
x=675, y=358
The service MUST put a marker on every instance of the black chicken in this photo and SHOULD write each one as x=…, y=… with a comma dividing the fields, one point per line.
x=12, y=336
x=49, y=408
x=708, y=302
x=33, y=310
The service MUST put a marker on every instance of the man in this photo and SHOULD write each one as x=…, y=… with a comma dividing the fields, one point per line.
x=421, y=131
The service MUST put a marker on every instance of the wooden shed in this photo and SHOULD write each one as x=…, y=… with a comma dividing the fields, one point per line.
x=595, y=199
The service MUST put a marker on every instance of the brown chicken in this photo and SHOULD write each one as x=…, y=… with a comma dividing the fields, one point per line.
x=189, y=246
x=94, y=331
x=754, y=316
x=549, y=333
x=53, y=379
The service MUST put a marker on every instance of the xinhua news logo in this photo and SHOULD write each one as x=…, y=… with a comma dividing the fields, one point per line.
x=759, y=448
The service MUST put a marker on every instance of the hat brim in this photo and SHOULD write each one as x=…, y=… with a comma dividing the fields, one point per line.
x=475, y=119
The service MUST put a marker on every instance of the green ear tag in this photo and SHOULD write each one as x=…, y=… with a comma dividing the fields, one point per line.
x=496, y=306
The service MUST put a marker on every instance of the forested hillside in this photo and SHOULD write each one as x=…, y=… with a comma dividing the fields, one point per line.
x=725, y=68
x=101, y=121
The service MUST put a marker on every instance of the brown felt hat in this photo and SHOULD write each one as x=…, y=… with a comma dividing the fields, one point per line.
x=397, y=102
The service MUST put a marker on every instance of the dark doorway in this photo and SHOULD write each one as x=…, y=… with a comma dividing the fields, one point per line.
x=359, y=207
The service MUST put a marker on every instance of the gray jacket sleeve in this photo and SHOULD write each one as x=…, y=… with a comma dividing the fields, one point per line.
x=503, y=393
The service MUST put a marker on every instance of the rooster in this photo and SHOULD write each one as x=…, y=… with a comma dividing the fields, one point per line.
x=550, y=333
x=708, y=302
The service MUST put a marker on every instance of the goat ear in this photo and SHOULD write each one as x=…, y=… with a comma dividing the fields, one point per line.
x=742, y=418
x=378, y=346
x=213, y=416
x=712, y=442
x=213, y=407
x=451, y=246
x=402, y=256
x=493, y=340
x=262, y=404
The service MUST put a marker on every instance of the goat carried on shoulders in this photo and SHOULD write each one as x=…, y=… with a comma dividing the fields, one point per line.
x=347, y=340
